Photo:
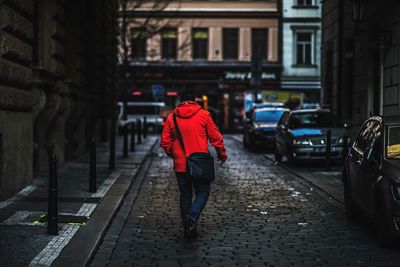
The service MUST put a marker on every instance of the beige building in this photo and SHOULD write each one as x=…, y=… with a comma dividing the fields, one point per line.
x=204, y=47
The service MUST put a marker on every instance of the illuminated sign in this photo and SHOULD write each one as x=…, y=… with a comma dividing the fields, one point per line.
x=244, y=76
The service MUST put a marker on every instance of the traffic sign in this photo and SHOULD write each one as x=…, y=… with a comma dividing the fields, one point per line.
x=158, y=91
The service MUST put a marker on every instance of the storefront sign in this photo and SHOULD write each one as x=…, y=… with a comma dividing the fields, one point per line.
x=244, y=76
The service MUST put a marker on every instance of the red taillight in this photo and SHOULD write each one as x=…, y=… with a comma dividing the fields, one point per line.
x=172, y=93
x=136, y=93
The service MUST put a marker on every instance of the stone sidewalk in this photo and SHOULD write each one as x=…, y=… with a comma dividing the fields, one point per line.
x=23, y=238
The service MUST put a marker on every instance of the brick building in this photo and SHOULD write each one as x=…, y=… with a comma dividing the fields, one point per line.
x=57, y=68
x=360, y=63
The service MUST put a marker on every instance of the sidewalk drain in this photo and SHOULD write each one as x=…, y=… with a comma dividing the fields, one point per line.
x=68, y=219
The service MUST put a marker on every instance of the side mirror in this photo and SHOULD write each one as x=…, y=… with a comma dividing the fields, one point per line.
x=281, y=127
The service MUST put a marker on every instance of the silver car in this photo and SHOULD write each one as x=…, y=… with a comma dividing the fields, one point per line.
x=302, y=134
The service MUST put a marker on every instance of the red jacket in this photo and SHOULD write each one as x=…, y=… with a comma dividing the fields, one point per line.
x=196, y=127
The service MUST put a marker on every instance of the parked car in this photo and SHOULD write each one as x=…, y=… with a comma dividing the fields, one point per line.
x=302, y=134
x=138, y=110
x=261, y=127
x=371, y=176
x=263, y=105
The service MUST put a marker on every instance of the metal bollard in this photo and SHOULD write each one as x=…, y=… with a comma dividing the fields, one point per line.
x=132, y=136
x=125, y=141
x=145, y=127
x=92, y=167
x=328, y=147
x=345, y=145
x=52, y=201
x=111, y=162
x=139, y=131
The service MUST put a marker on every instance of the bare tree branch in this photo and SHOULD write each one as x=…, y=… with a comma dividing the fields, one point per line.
x=151, y=23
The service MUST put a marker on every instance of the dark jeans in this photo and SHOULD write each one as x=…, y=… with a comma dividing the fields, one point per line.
x=188, y=206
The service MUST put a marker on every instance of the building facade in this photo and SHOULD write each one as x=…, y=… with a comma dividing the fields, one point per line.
x=57, y=83
x=361, y=58
x=301, y=23
x=204, y=47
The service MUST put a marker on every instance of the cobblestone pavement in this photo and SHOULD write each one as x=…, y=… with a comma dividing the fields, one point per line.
x=257, y=215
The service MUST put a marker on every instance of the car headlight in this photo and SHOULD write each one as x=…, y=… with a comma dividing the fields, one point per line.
x=396, y=191
x=341, y=140
x=303, y=142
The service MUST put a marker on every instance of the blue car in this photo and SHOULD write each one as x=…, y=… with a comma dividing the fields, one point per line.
x=260, y=127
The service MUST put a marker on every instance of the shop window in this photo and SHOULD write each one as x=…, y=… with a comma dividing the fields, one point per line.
x=304, y=2
x=200, y=43
x=230, y=43
x=259, y=43
x=139, y=41
x=169, y=43
x=304, y=48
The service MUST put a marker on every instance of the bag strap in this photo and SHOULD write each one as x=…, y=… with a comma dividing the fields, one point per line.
x=178, y=133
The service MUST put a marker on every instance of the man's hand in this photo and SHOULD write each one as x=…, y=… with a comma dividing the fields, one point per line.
x=221, y=162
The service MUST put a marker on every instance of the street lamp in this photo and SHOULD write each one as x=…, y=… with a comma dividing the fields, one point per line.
x=358, y=8
x=383, y=36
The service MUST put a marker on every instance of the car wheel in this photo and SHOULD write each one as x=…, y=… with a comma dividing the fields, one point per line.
x=349, y=206
x=245, y=144
x=277, y=156
x=251, y=144
x=383, y=225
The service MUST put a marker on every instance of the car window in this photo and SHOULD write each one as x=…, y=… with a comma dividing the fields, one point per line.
x=267, y=115
x=284, y=118
x=393, y=142
x=314, y=120
x=368, y=135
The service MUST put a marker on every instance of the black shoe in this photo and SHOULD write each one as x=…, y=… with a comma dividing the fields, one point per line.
x=189, y=226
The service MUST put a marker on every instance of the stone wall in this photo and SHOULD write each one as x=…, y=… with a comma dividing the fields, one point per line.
x=360, y=66
x=57, y=82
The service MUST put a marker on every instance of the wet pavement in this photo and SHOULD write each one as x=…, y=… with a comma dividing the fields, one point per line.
x=258, y=214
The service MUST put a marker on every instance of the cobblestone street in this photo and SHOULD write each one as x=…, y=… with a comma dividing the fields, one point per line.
x=257, y=214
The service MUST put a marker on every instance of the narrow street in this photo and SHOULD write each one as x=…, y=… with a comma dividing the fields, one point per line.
x=257, y=214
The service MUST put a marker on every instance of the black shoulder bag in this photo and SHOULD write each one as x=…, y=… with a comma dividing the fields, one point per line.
x=199, y=165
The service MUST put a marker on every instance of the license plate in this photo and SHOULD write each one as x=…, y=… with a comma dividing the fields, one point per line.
x=318, y=149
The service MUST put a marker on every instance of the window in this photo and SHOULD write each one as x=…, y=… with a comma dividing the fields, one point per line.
x=139, y=40
x=259, y=43
x=314, y=120
x=230, y=43
x=304, y=2
x=169, y=43
x=393, y=142
x=304, y=48
x=272, y=116
x=200, y=43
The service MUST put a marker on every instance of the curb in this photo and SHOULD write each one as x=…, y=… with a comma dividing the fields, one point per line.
x=323, y=193
x=79, y=253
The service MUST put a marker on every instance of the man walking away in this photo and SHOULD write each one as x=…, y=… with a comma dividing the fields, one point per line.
x=196, y=127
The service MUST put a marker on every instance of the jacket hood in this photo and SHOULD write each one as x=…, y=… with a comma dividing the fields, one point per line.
x=187, y=109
